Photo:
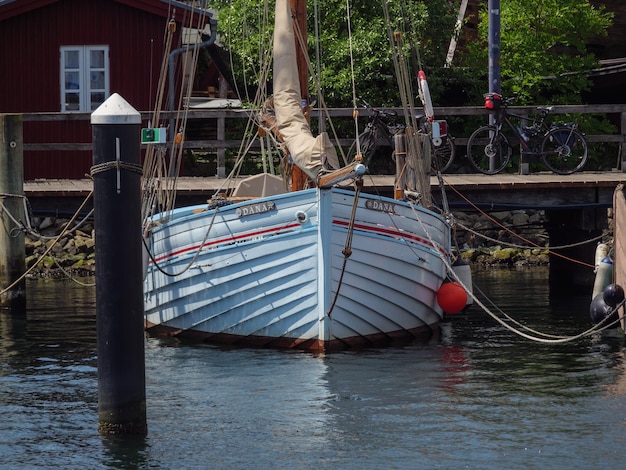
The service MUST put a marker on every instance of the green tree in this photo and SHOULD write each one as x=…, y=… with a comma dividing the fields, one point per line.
x=543, y=47
x=245, y=28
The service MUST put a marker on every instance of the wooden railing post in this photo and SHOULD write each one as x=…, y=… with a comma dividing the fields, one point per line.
x=221, y=132
x=12, y=244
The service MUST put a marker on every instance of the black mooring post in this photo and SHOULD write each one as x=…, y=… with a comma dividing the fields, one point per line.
x=119, y=278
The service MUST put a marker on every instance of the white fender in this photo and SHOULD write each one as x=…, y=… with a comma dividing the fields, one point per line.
x=463, y=272
x=604, y=276
x=425, y=95
x=602, y=251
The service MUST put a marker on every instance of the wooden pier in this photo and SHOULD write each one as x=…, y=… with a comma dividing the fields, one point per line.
x=575, y=206
x=489, y=192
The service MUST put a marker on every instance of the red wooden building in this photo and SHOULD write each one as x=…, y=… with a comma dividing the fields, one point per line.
x=68, y=56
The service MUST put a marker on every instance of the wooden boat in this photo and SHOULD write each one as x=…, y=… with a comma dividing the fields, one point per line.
x=321, y=269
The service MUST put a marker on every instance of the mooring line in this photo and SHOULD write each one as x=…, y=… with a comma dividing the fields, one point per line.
x=45, y=253
x=513, y=233
x=563, y=339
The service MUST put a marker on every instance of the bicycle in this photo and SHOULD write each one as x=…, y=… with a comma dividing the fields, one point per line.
x=562, y=147
x=379, y=132
x=442, y=155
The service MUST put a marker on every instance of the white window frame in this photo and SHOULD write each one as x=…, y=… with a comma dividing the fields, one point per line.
x=80, y=92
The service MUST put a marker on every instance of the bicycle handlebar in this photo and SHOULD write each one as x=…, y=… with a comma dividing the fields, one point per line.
x=544, y=110
x=378, y=111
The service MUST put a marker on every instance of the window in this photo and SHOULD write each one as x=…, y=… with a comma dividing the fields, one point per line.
x=84, y=77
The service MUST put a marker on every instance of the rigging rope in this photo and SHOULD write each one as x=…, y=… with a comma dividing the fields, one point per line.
x=414, y=143
x=154, y=160
x=347, y=249
x=355, y=112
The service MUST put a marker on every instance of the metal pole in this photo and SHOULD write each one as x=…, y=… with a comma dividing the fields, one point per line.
x=495, y=81
x=494, y=47
x=119, y=273
x=12, y=247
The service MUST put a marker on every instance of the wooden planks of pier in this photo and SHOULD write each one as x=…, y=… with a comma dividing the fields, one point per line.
x=541, y=190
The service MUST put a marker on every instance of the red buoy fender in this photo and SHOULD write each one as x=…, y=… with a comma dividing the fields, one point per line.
x=451, y=297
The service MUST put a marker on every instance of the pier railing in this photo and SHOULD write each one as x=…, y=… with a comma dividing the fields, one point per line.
x=225, y=120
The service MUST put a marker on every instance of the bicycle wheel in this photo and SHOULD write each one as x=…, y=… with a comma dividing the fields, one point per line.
x=443, y=155
x=564, y=150
x=367, y=139
x=488, y=150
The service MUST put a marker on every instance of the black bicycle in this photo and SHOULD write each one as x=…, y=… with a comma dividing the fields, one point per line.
x=562, y=147
x=379, y=133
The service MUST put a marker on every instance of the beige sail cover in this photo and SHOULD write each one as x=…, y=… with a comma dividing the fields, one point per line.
x=260, y=185
x=308, y=153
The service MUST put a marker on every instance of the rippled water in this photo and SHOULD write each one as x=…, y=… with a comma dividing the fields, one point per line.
x=478, y=397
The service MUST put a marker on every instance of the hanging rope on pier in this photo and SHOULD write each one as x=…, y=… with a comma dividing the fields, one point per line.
x=530, y=243
x=536, y=336
x=49, y=249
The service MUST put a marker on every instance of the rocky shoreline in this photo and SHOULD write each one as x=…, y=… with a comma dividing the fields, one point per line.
x=73, y=254
x=506, y=238
x=501, y=239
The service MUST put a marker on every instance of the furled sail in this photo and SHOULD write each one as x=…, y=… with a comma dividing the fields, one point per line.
x=308, y=152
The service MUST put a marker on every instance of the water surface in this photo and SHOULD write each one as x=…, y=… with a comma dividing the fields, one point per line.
x=478, y=397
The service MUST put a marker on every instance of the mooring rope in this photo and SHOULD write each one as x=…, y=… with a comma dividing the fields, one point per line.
x=515, y=234
x=513, y=245
x=116, y=165
x=27, y=228
x=72, y=278
x=547, y=338
x=49, y=249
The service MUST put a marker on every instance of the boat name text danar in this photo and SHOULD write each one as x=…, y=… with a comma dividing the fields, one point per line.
x=381, y=206
x=256, y=208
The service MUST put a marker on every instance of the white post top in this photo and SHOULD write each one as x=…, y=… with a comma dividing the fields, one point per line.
x=115, y=110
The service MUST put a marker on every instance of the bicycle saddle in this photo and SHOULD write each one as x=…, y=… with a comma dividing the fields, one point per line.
x=546, y=109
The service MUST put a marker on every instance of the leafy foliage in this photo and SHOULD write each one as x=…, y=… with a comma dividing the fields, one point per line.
x=543, y=47
x=245, y=28
x=543, y=51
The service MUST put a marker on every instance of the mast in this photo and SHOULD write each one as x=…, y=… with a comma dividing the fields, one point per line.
x=298, y=8
x=312, y=154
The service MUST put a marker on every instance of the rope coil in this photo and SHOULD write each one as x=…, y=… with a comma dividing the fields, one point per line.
x=115, y=165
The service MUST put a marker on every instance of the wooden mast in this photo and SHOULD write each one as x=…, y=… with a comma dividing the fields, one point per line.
x=298, y=8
